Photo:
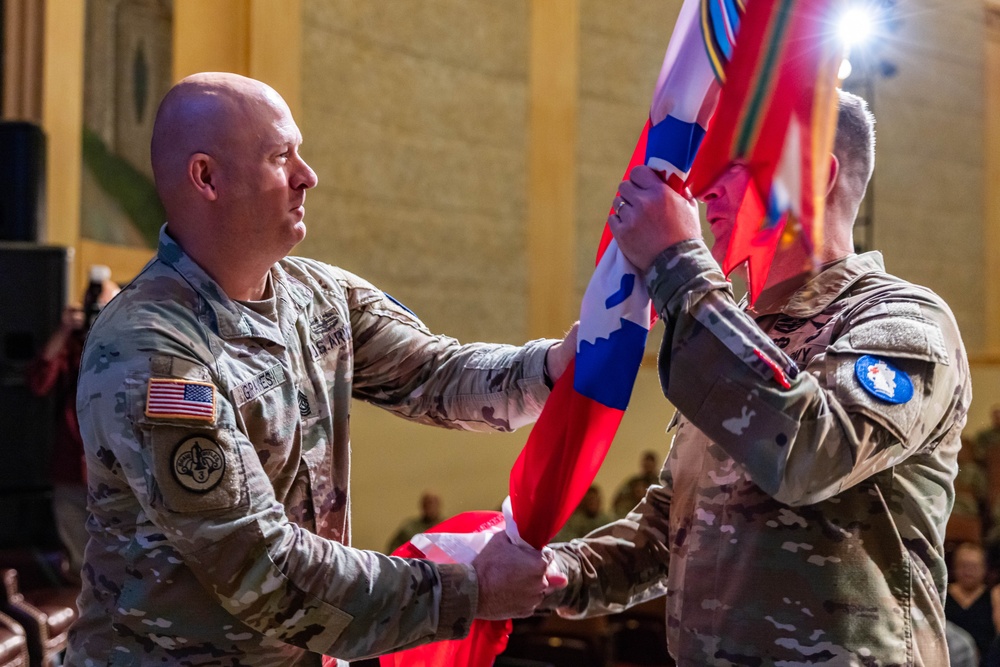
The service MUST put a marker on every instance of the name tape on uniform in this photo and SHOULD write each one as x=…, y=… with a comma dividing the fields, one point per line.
x=259, y=384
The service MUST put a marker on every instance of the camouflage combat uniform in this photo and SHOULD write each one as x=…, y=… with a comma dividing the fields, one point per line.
x=219, y=539
x=798, y=525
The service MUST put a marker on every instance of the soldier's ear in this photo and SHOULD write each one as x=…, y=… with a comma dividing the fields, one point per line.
x=834, y=171
x=201, y=173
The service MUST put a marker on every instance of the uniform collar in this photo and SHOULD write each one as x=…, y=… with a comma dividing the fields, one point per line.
x=825, y=287
x=291, y=294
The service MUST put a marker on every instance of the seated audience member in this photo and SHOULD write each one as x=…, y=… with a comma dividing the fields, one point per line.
x=966, y=521
x=55, y=370
x=633, y=489
x=971, y=604
x=586, y=517
x=430, y=516
x=961, y=646
x=993, y=657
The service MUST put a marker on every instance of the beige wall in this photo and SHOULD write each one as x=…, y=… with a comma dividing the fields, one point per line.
x=414, y=118
x=394, y=461
x=929, y=166
x=423, y=145
x=991, y=181
x=985, y=395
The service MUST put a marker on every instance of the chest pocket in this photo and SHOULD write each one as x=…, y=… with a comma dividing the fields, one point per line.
x=279, y=412
x=267, y=410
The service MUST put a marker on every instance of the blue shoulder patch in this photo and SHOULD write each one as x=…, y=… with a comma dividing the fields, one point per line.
x=883, y=380
x=395, y=301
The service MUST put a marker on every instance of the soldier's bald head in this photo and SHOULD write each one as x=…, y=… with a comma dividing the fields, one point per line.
x=209, y=112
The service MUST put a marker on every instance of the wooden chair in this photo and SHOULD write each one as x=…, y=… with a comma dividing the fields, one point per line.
x=45, y=615
x=13, y=643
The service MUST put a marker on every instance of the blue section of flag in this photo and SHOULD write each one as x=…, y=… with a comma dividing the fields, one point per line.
x=719, y=21
x=675, y=141
x=197, y=393
x=733, y=14
x=775, y=210
x=624, y=292
x=605, y=370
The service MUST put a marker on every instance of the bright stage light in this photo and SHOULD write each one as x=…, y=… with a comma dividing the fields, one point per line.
x=855, y=26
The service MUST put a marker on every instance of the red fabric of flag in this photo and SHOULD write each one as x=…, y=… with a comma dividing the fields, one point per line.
x=776, y=116
x=486, y=639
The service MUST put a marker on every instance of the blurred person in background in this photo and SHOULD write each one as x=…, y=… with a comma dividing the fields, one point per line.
x=588, y=516
x=54, y=371
x=633, y=489
x=971, y=604
x=430, y=516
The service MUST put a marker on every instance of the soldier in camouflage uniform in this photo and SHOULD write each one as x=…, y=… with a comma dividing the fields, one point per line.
x=214, y=403
x=430, y=516
x=800, y=513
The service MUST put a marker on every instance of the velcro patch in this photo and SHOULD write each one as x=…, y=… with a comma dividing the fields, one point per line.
x=181, y=399
x=198, y=464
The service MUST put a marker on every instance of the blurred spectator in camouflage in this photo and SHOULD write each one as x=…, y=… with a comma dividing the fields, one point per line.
x=634, y=488
x=989, y=438
x=586, y=517
x=971, y=489
x=430, y=515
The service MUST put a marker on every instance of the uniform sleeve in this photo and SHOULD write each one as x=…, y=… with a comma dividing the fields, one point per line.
x=201, y=483
x=621, y=564
x=401, y=366
x=824, y=431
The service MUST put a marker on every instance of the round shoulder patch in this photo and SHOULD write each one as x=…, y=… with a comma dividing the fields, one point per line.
x=883, y=380
x=198, y=464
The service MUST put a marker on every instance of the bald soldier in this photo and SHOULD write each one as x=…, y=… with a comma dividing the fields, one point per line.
x=800, y=514
x=214, y=404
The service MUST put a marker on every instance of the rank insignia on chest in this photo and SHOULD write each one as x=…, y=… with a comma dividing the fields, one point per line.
x=883, y=380
x=323, y=323
x=180, y=399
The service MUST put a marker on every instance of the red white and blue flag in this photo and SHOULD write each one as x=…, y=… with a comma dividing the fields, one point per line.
x=568, y=444
x=184, y=399
x=574, y=432
x=571, y=438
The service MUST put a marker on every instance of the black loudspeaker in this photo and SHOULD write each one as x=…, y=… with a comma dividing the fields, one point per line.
x=33, y=293
x=22, y=181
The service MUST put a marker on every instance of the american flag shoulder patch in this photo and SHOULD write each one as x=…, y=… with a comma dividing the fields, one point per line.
x=183, y=399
